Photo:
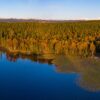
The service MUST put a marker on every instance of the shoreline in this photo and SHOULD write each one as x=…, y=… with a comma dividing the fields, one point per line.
x=29, y=53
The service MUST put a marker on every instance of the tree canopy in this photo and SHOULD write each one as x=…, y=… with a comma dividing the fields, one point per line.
x=76, y=38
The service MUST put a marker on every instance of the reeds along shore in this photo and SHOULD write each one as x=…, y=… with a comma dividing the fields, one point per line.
x=74, y=38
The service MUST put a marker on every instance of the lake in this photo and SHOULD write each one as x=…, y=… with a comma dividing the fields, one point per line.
x=49, y=77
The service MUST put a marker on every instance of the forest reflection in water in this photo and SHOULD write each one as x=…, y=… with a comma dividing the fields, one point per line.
x=87, y=68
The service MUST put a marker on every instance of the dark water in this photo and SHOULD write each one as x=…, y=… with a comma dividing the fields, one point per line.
x=24, y=79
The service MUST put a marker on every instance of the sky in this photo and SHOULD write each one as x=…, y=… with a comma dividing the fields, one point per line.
x=50, y=9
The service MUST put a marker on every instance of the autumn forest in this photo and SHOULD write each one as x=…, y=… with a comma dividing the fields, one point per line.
x=79, y=38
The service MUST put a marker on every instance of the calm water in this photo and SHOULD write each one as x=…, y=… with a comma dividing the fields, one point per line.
x=24, y=79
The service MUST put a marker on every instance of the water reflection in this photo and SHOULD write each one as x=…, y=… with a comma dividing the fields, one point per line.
x=89, y=69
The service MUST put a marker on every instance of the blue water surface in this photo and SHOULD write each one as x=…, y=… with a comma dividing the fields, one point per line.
x=27, y=80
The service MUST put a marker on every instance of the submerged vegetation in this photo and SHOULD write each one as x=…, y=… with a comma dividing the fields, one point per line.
x=74, y=38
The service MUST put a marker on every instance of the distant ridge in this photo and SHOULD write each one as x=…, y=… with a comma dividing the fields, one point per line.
x=40, y=20
x=17, y=20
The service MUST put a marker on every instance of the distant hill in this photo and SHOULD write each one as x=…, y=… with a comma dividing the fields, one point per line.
x=36, y=20
x=10, y=20
x=17, y=20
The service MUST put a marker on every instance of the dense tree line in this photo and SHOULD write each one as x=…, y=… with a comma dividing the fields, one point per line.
x=75, y=38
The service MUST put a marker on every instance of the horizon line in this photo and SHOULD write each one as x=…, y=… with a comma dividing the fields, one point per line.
x=49, y=18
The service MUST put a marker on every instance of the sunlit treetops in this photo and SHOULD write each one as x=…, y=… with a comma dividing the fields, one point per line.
x=75, y=38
